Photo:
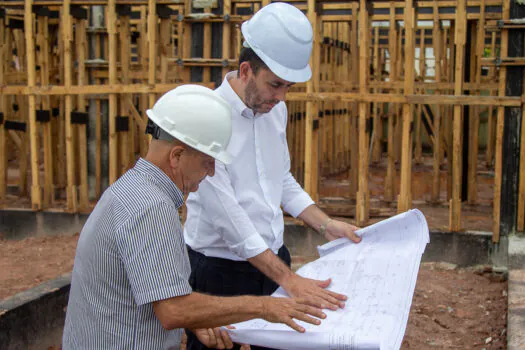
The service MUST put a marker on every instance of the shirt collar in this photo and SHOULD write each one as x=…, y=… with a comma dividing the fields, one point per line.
x=161, y=179
x=231, y=96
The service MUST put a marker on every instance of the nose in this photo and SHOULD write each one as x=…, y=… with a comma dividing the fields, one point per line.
x=280, y=93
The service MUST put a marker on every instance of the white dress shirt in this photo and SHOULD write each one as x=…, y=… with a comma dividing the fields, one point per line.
x=237, y=214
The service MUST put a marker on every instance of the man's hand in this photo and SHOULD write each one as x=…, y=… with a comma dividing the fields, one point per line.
x=313, y=292
x=284, y=310
x=336, y=229
x=216, y=338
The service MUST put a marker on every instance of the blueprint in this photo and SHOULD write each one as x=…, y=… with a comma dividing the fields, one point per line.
x=378, y=275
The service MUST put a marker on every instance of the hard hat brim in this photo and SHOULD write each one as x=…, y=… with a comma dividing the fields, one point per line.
x=223, y=157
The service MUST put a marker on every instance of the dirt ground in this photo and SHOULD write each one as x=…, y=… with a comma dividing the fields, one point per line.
x=31, y=261
x=454, y=309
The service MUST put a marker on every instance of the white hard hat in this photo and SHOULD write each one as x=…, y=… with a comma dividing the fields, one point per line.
x=281, y=35
x=196, y=116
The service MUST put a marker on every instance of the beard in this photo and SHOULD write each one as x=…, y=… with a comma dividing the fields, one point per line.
x=254, y=101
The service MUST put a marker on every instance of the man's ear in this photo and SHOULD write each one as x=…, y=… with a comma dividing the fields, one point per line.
x=175, y=155
x=245, y=71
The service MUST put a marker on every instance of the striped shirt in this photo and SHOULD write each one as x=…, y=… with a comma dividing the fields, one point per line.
x=130, y=253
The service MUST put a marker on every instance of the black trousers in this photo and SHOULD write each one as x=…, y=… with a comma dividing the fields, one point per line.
x=223, y=277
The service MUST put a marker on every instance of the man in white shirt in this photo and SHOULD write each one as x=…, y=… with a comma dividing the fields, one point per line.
x=234, y=228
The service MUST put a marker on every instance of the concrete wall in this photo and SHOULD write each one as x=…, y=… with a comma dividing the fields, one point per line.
x=34, y=319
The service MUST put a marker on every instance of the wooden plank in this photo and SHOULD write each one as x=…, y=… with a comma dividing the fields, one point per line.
x=362, y=200
x=36, y=190
x=405, y=196
x=460, y=40
x=498, y=150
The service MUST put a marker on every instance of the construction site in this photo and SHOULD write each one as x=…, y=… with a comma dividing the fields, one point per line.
x=411, y=104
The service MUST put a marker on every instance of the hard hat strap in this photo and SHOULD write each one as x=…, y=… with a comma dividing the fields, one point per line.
x=157, y=133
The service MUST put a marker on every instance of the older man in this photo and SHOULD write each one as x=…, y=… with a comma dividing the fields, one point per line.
x=130, y=285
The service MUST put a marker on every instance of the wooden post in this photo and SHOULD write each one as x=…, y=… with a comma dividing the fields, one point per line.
x=475, y=114
x=363, y=198
x=329, y=119
x=417, y=121
x=323, y=120
x=392, y=48
x=354, y=117
x=127, y=99
x=376, y=133
x=455, y=202
x=400, y=73
x=36, y=194
x=405, y=200
x=437, y=43
x=226, y=34
x=68, y=59
x=144, y=104
x=311, y=135
x=59, y=127
x=43, y=42
x=346, y=76
x=207, y=40
x=113, y=136
x=152, y=41
x=125, y=141
x=3, y=145
x=81, y=51
x=451, y=63
x=489, y=155
x=98, y=124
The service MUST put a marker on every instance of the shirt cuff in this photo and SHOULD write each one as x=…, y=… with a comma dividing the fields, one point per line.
x=298, y=204
x=250, y=247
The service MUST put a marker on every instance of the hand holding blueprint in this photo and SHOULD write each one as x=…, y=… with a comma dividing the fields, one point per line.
x=378, y=275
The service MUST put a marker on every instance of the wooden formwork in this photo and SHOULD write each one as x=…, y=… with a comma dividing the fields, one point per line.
x=393, y=83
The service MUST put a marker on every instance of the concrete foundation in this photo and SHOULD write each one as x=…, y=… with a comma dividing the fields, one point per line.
x=34, y=319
